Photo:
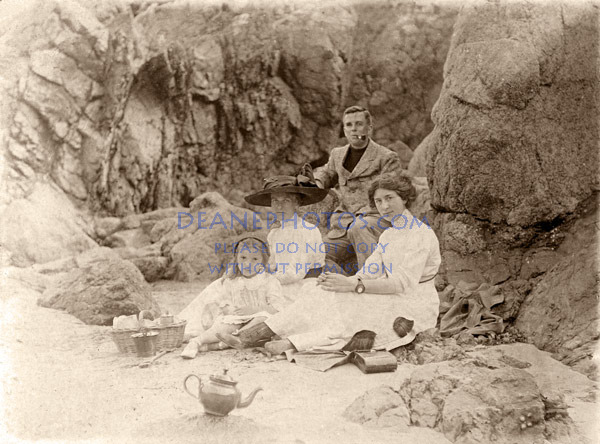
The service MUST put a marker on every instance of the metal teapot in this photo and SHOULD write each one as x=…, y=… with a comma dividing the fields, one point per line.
x=220, y=395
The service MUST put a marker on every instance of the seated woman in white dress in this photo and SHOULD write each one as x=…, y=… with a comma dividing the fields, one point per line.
x=395, y=282
x=296, y=245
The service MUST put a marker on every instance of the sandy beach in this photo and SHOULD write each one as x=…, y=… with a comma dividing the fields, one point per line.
x=64, y=381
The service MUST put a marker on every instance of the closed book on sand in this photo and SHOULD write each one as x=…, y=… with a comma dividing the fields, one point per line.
x=375, y=361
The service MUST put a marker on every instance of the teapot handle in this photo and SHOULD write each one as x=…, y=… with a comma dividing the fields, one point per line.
x=186, y=388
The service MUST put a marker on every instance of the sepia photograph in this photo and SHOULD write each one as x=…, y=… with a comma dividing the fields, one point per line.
x=299, y=221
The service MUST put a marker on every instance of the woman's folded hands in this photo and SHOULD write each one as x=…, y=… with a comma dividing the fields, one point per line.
x=337, y=282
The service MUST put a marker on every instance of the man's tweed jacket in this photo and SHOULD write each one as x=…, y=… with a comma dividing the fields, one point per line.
x=354, y=185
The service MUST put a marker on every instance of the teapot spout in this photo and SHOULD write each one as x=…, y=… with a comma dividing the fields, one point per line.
x=246, y=402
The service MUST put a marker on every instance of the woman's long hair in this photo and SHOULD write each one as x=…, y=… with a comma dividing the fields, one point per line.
x=400, y=183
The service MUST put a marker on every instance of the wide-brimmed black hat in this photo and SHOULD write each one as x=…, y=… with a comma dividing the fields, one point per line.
x=303, y=184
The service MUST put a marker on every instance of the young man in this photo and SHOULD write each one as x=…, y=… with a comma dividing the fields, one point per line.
x=355, y=227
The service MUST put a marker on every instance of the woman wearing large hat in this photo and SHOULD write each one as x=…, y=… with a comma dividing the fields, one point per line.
x=296, y=245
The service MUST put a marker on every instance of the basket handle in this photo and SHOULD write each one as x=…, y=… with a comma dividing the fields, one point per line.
x=199, y=386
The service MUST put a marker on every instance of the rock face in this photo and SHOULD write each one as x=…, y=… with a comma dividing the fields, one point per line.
x=509, y=161
x=512, y=165
x=100, y=291
x=429, y=347
x=550, y=288
x=394, y=66
x=505, y=394
x=471, y=404
x=379, y=407
x=516, y=129
x=510, y=170
x=560, y=315
x=131, y=108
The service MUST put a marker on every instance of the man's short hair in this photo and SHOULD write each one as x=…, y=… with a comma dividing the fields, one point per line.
x=359, y=109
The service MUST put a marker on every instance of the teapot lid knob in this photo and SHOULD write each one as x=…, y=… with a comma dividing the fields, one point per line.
x=223, y=378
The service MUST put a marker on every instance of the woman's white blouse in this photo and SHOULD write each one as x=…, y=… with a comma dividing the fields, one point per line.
x=296, y=247
x=404, y=256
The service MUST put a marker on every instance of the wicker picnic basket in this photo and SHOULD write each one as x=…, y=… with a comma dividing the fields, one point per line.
x=169, y=336
x=124, y=341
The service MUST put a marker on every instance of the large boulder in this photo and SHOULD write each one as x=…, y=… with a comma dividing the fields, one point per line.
x=471, y=403
x=43, y=226
x=505, y=394
x=98, y=292
x=512, y=159
x=515, y=140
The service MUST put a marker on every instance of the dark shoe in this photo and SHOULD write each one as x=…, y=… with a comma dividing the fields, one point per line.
x=363, y=340
x=403, y=326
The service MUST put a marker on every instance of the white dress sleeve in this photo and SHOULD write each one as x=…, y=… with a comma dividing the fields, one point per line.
x=374, y=265
x=408, y=260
